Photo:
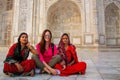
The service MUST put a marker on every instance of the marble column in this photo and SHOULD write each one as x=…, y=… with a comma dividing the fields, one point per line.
x=22, y=20
x=43, y=16
x=101, y=22
x=36, y=20
x=87, y=16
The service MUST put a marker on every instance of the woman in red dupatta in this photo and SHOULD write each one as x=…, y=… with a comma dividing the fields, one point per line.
x=69, y=64
x=16, y=62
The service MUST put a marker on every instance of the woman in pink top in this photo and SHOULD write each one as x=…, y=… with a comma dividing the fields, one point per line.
x=47, y=54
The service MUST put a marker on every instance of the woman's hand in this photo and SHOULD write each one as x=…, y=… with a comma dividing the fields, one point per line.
x=31, y=48
x=71, y=63
x=63, y=64
x=19, y=67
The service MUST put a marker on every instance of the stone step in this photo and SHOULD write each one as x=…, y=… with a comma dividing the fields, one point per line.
x=109, y=49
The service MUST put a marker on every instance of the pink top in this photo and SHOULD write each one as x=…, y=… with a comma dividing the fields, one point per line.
x=47, y=56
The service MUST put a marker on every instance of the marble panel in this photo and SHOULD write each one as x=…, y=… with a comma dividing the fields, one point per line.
x=101, y=39
x=56, y=40
x=76, y=40
x=111, y=41
x=88, y=39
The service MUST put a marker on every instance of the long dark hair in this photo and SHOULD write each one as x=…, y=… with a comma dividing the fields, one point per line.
x=42, y=42
x=19, y=43
x=17, y=51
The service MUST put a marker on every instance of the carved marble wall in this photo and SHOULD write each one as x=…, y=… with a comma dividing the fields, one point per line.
x=64, y=16
x=112, y=25
x=108, y=22
x=22, y=21
x=78, y=18
x=89, y=23
x=6, y=20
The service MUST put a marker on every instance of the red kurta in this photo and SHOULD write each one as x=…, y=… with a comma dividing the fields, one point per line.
x=76, y=67
x=27, y=65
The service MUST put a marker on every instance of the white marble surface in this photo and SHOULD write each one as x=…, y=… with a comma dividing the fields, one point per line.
x=100, y=66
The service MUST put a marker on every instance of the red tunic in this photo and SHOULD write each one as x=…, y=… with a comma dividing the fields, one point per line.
x=74, y=68
x=27, y=65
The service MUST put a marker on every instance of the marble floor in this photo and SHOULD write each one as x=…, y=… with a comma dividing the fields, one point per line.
x=100, y=66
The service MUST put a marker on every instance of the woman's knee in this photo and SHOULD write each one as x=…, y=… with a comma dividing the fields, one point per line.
x=58, y=57
x=84, y=64
x=34, y=56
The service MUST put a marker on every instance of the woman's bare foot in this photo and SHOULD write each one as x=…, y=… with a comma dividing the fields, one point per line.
x=10, y=74
x=53, y=71
x=32, y=73
x=46, y=70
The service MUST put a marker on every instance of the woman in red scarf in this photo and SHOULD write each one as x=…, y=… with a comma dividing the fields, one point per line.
x=16, y=62
x=69, y=64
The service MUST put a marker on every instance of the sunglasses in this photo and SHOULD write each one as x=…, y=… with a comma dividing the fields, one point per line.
x=47, y=36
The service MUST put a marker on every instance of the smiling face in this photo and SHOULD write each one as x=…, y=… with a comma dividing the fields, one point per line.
x=47, y=36
x=24, y=39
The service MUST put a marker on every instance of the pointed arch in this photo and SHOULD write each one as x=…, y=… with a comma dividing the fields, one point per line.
x=112, y=25
x=64, y=16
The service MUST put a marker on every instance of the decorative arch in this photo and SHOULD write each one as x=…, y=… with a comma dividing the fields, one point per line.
x=112, y=25
x=64, y=16
x=116, y=2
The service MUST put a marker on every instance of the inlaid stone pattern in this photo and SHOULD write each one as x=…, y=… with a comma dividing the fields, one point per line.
x=1, y=6
x=107, y=2
x=5, y=21
x=94, y=12
x=88, y=22
x=49, y=2
x=112, y=25
x=64, y=16
x=2, y=9
x=23, y=7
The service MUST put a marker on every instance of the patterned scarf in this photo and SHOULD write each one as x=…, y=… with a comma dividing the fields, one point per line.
x=18, y=53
